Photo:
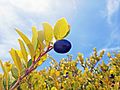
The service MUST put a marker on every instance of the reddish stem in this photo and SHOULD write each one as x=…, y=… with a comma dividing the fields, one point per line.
x=30, y=69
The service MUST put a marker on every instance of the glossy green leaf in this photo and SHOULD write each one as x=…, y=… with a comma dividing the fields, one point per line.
x=29, y=63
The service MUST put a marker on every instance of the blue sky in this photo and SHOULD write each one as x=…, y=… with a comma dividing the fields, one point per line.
x=93, y=23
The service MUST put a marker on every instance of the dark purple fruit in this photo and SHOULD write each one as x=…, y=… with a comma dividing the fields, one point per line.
x=62, y=46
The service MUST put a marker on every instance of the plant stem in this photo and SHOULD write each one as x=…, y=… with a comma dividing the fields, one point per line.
x=30, y=69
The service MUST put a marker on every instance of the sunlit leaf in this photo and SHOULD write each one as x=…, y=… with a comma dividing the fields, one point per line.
x=12, y=53
x=1, y=82
x=5, y=74
x=27, y=42
x=3, y=68
x=41, y=46
x=16, y=60
x=54, y=88
x=23, y=50
x=31, y=49
x=19, y=53
x=61, y=29
x=34, y=37
x=41, y=36
x=43, y=58
x=8, y=66
x=14, y=72
x=48, y=32
x=41, y=39
x=57, y=73
x=52, y=71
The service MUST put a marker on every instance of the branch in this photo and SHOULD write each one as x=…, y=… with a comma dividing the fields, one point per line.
x=30, y=69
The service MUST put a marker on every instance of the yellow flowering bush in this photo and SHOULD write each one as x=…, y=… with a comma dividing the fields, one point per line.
x=94, y=73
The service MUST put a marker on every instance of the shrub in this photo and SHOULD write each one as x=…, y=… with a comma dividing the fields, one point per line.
x=63, y=75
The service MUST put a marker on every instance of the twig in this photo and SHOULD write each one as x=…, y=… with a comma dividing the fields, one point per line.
x=30, y=69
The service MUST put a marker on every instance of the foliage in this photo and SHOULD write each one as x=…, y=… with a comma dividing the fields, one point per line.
x=63, y=75
x=32, y=53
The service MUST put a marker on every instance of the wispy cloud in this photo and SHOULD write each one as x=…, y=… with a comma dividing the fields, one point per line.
x=25, y=13
x=114, y=49
x=111, y=8
x=112, y=17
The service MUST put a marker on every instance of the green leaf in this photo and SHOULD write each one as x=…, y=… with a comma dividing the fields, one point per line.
x=29, y=63
x=34, y=37
x=14, y=72
x=14, y=82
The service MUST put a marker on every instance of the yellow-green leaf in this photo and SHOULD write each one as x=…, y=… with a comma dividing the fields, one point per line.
x=54, y=88
x=1, y=82
x=48, y=32
x=34, y=37
x=5, y=73
x=23, y=51
x=14, y=72
x=8, y=66
x=3, y=68
x=12, y=53
x=41, y=46
x=16, y=60
x=61, y=29
x=19, y=63
x=41, y=36
x=27, y=42
x=19, y=53
x=31, y=49
x=43, y=58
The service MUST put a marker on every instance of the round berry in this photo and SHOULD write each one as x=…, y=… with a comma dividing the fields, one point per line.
x=62, y=46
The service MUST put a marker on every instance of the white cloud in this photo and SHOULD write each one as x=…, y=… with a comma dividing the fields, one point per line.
x=112, y=7
x=117, y=49
x=24, y=13
x=111, y=13
x=46, y=7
